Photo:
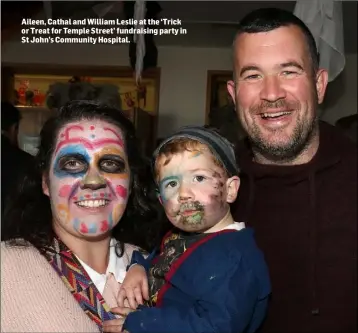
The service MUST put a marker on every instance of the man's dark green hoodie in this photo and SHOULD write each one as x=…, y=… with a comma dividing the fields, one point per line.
x=305, y=222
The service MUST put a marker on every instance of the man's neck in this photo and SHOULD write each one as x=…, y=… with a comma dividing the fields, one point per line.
x=95, y=253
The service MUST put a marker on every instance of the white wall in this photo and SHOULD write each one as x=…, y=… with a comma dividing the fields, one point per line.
x=183, y=73
x=341, y=94
x=183, y=84
x=183, y=76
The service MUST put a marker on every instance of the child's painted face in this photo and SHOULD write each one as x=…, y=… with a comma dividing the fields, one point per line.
x=194, y=191
x=89, y=178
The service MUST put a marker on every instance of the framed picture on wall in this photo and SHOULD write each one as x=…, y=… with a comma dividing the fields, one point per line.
x=220, y=109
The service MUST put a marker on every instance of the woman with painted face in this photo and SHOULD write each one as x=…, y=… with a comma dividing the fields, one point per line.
x=70, y=229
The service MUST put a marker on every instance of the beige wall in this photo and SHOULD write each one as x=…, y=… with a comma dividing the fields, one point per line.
x=183, y=76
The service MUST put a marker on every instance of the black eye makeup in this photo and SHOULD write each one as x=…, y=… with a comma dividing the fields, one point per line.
x=72, y=164
x=112, y=164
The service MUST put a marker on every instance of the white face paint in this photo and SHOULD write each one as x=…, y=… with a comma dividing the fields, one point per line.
x=88, y=178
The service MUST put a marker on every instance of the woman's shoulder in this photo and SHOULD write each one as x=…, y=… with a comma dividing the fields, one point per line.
x=27, y=279
x=20, y=258
x=17, y=249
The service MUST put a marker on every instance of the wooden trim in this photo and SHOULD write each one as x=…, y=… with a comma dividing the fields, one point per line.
x=88, y=70
x=12, y=69
x=210, y=76
x=208, y=97
x=219, y=72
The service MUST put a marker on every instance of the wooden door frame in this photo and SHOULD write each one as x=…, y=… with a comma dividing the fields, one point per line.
x=211, y=75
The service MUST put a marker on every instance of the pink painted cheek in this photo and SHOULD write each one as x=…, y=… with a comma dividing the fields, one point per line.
x=65, y=191
x=104, y=226
x=83, y=228
x=121, y=191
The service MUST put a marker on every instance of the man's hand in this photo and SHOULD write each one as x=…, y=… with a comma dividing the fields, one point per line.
x=116, y=325
x=134, y=287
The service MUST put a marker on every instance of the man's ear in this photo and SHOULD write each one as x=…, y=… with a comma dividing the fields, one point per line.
x=230, y=86
x=232, y=188
x=321, y=84
x=45, y=188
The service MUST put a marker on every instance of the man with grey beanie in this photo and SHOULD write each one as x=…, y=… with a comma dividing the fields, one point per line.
x=208, y=275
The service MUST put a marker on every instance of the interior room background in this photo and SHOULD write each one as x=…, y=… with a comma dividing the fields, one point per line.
x=184, y=62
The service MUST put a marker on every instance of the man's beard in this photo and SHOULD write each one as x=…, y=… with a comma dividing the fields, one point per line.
x=300, y=138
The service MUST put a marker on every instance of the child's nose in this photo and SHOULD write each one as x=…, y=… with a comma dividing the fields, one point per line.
x=185, y=193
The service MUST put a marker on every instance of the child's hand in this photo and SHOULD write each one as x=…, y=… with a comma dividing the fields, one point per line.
x=134, y=287
x=116, y=325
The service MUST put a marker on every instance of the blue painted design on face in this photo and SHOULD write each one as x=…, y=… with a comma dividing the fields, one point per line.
x=68, y=151
x=110, y=221
x=93, y=136
x=76, y=224
x=197, y=154
x=164, y=182
x=92, y=229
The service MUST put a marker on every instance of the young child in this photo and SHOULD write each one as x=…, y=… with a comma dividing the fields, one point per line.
x=209, y=275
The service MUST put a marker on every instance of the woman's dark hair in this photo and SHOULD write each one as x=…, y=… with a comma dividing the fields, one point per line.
x=29, y=218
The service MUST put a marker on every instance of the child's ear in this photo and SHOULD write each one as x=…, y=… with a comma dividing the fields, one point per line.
x=232, y=188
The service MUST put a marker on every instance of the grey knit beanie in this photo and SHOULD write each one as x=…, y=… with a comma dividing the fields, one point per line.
x=222, y=149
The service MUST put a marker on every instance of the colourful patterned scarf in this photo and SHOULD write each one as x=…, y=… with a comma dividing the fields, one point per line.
x=76, y=279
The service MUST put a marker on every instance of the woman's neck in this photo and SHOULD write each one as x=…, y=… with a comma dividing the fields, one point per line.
x=93, y=252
